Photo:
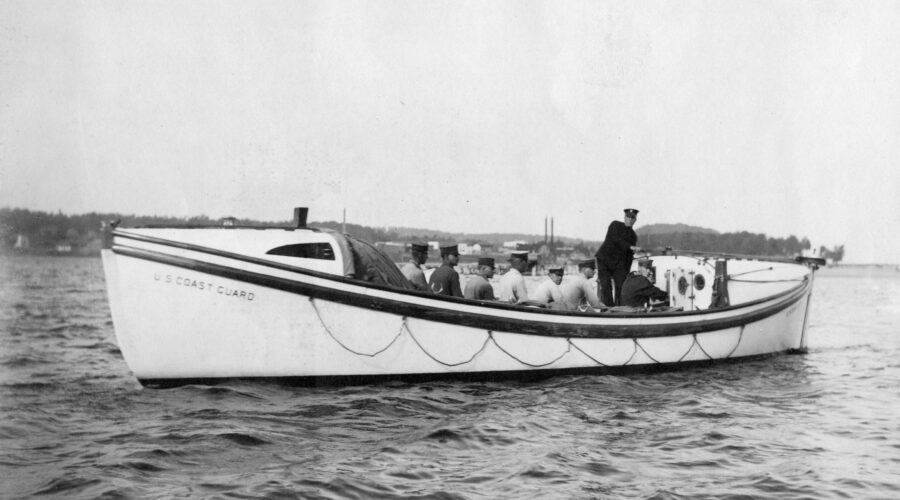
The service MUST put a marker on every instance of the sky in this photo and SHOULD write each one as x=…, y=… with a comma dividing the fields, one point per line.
x=780, y=117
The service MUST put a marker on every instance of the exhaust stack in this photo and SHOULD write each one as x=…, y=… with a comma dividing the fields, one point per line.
x=300, y=216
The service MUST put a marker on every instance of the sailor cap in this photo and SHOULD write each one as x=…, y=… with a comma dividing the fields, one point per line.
x=450, y=250
x=519, y=255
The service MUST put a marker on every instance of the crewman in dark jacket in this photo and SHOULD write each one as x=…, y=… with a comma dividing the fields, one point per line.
x=638, y=290
x=445, y=280
x=615, y=255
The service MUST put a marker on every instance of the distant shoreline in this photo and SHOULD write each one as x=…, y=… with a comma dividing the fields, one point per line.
x=835, y=268
x=50, y=253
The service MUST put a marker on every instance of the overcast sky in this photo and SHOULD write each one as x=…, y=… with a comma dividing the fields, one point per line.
x=773, y=117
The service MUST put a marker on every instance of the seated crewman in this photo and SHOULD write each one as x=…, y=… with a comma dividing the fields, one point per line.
x=579, y=292
x=548, y=292
x=512, y=284
x=445, y=280
x=638, y=290
x=477, y=287
x=413, y=268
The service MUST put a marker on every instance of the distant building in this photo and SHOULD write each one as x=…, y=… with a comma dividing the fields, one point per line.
x=514, y=244
x=22, y=242
x=466, y=249
x=63, y=248
x=810, y=252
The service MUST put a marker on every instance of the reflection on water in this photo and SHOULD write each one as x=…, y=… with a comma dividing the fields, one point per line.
x=76, y=424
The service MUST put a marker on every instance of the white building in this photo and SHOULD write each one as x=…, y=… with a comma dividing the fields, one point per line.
x=466, y=249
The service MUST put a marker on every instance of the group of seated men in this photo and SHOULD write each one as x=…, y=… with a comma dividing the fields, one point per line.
x=578, y=293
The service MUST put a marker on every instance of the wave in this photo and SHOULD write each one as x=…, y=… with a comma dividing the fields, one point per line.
x=66, y=485
x=243, y=439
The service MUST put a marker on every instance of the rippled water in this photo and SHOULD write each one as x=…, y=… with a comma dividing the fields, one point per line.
x=75, y=423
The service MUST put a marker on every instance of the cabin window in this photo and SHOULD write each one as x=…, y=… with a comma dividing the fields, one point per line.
x=305, y=250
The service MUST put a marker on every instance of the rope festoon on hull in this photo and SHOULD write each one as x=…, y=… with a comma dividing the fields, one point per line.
x=489, y=338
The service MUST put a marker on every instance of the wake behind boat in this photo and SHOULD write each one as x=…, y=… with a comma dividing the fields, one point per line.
x=200, y=303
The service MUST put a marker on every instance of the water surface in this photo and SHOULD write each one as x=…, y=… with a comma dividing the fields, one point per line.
x=76, y=424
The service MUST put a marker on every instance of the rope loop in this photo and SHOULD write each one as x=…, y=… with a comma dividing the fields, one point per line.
x=569, y=340
x=479, y=351
x=372, y=355
x=689, y=349
x=636, y=343
x=568, y=349
x=696, y=341
x=740, y=337
x=633, y=353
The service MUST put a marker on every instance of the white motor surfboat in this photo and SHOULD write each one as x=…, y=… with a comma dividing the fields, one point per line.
x=201, y=303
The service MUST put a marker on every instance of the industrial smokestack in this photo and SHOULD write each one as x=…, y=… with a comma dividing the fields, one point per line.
x=545, y=229
x=551, y=231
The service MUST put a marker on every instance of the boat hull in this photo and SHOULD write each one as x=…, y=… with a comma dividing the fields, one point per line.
x=181, y=316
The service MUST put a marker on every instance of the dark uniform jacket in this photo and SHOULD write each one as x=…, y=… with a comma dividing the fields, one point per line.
x=615, y=252
x=638, y=290
x=445, y=281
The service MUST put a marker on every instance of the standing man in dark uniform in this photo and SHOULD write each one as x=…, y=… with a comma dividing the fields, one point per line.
x=639, y=290
x=615, y=255
x=445, y=280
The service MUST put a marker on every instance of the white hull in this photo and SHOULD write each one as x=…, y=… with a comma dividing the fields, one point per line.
x=181, y=314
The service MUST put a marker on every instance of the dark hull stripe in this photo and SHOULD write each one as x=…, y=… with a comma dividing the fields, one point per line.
x=489, y=321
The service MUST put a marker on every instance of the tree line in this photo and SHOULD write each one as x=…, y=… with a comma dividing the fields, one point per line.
x=30, y=231
x=39, y=232
x=742, y=243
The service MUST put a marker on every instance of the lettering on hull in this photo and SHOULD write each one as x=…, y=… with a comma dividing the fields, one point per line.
x=204, y=286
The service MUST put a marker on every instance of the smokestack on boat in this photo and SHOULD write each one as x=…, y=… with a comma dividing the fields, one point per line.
x=300, y=216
